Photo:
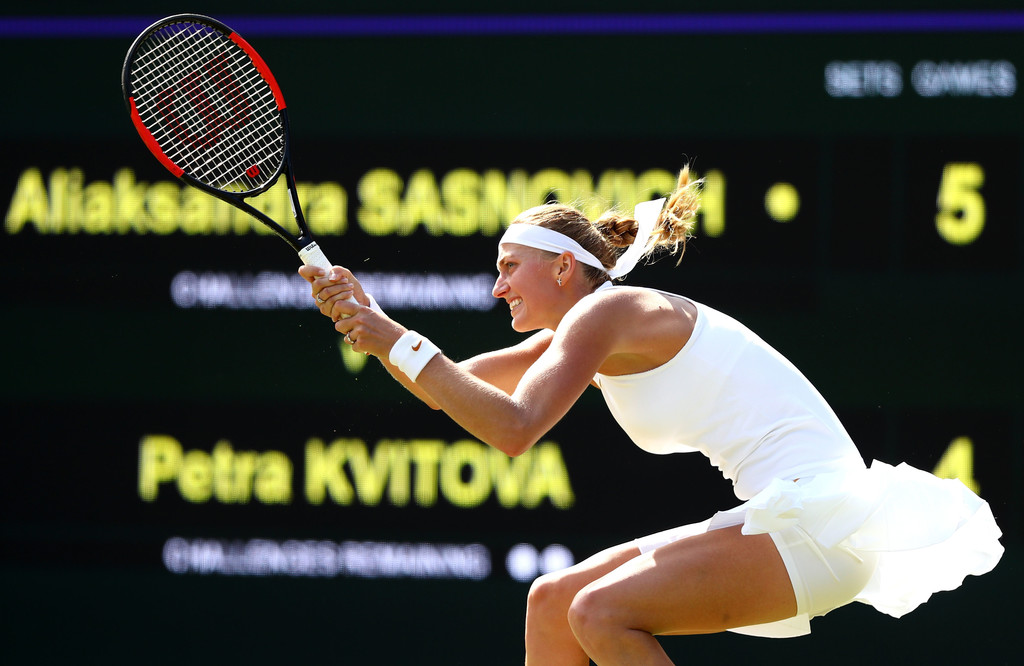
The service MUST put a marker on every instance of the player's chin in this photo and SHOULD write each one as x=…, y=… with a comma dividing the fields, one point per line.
x=521, y=325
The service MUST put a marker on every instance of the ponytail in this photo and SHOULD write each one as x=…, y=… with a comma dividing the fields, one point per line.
x=608, y=237
x=675, y=223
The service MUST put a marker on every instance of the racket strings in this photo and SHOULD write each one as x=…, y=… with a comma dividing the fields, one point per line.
x=208, y=108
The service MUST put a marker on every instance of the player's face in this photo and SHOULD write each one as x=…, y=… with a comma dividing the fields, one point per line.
x=526, y=282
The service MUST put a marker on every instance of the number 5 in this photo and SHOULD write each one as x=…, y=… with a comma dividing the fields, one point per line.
x=961, y=216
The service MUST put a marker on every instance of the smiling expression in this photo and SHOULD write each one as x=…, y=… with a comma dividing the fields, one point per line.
x=526, y=282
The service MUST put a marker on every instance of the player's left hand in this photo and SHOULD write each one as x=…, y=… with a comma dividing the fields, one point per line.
x=333, y=288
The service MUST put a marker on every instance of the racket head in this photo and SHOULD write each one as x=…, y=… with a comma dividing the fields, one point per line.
x=206, y=105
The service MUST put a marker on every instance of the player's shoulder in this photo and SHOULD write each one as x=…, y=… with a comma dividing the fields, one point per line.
x=644, y=306
x=626, y=296
x=632, y=320
x=615, y=302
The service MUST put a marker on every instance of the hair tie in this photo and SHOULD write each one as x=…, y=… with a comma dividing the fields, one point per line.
x=646, y=215
x=542, y=238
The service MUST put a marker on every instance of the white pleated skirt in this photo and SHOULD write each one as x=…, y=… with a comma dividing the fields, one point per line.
x=926, y=534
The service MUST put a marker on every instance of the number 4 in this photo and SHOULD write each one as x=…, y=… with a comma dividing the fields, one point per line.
x=958, y=463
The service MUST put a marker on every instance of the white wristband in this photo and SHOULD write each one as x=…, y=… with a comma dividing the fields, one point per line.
x=411, y=353
x=374, y=306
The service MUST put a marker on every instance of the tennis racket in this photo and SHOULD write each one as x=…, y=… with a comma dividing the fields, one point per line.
x=207, y=106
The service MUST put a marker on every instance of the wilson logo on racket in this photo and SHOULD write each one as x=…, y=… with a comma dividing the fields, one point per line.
x=190, y=87
x=253, y=171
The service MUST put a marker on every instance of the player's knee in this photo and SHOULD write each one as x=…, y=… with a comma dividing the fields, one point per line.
x=548, y=593
x=590, y=615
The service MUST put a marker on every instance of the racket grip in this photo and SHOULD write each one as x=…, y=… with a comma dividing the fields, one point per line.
x=312, y=255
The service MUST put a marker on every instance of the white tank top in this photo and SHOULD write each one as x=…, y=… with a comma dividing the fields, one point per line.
x=731, y=396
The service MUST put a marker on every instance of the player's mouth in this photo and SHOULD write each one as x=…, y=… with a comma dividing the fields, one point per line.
x=514, y=303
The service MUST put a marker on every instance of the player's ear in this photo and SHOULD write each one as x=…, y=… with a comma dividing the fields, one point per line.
x=563, y=268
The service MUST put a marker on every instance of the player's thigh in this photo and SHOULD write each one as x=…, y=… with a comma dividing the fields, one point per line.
x=560, y=587
x=705, y=583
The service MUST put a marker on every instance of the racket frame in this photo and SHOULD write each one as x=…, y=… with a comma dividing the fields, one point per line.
x=303, y=243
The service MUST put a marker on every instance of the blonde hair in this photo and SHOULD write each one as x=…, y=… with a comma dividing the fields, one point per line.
x=609, y=235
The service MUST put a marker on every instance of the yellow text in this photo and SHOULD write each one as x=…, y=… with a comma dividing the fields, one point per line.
x=224, y=475
x=465, y=473
x=63, y=203
x=460, y=202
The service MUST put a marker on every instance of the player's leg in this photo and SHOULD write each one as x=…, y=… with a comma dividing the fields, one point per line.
x=549, y=639
x=702, y=584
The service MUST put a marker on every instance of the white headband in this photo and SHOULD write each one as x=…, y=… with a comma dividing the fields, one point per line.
x=541, y=238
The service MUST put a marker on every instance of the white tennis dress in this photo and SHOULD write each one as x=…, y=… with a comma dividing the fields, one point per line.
x=732, y=397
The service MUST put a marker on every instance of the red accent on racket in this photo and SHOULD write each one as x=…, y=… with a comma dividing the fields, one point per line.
x=207, y=106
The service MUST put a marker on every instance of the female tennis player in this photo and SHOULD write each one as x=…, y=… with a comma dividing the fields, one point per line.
x=817, y=529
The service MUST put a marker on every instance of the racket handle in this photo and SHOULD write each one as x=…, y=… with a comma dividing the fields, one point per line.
x=312, y=255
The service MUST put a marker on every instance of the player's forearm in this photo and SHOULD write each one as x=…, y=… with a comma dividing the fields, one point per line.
x=485, y=411
x=478, y=393
x=410, y=385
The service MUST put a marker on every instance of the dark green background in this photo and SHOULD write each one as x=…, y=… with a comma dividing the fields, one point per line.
x=913, y=341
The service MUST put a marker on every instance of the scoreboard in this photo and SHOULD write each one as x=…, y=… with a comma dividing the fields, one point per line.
x=191, y=453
